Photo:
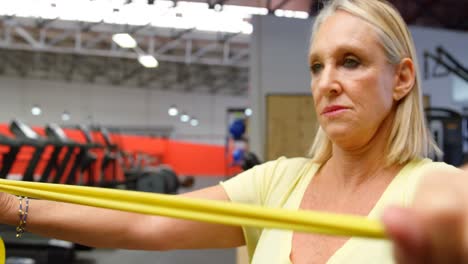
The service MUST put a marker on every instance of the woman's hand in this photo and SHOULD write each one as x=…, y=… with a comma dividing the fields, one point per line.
x=435, y=229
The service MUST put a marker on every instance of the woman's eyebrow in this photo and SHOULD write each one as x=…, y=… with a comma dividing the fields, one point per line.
x=313, y=57
x=343, y=48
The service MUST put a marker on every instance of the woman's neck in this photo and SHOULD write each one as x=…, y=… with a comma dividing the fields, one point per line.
x=355, y=168
x=359, y=165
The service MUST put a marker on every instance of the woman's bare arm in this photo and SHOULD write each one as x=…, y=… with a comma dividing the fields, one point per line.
x=105, y=228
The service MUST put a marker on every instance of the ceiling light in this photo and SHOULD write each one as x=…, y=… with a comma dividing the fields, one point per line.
x=36, y=110
x=288, y=13
x=218, y=7
x=124, y=40
x=279, y=12
x=301, y=15
x=160, y=13
x=66, y=116
x=148, y=61
x=194, y=122
x=184, y=117
x=173, y=111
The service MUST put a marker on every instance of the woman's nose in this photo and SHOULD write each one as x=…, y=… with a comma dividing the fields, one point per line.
x=327, y=82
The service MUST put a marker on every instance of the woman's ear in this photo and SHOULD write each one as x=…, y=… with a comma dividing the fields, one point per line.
x=405, y=79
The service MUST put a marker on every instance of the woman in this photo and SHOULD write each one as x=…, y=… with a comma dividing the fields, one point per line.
x=368, y=155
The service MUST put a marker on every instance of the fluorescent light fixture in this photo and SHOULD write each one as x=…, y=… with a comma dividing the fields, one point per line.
x=173, y=111
x=124, y=40
x=301, y=15
x=36, y=110
x=66, y=116
x=292, y=14
x=279, y=12
x=184, y=117
x=194, y=122
x=148, y=61
x=162, y=13
x=248, y=112
x=289, y=13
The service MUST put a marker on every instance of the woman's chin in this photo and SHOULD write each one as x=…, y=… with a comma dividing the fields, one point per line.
x=343, y=136
x=338, y=132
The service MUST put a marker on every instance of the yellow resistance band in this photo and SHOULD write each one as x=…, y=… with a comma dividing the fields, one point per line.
x=210, y=211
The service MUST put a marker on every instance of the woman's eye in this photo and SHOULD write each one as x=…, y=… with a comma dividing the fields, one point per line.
x=316, y=67
x=350, y=63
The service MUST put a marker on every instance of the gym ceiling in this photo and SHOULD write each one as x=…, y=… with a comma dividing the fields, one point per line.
x=448, y=14
x=189, y=61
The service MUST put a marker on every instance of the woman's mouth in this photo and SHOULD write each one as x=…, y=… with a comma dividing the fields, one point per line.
x=333, y=110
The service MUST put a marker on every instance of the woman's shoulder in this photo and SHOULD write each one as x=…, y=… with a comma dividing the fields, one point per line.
x=417, y=170
x=290, y=167
x=259, y=183
x=425, y=165
x=284, y=173
x=284, y=161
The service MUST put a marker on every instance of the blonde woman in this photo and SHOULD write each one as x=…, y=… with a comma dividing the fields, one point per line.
x=368, y=159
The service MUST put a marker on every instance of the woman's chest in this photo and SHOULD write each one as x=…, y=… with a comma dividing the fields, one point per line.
x=317, y=249
x=313, y=248
x=307, y=248
x=274, y=247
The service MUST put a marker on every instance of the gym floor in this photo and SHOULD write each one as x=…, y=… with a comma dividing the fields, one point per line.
x=225, y=256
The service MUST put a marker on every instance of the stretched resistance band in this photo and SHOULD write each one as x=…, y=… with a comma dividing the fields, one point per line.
x=210, y=211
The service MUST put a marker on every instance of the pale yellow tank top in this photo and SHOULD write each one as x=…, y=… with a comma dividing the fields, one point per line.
x=282, y=183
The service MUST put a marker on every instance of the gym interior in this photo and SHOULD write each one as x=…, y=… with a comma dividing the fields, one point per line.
x=169, y=96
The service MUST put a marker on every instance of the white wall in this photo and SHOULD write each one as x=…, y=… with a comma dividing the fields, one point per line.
x=113, y=105
x=279, y=65
x=456, y=43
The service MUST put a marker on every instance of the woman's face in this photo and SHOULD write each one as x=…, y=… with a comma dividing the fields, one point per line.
x=352, y=81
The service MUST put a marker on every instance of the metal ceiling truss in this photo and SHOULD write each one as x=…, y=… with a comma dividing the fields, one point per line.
x=169, y=76
x=78, y=51
x=94, y=39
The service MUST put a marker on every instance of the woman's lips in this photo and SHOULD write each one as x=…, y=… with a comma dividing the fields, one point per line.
x=334, y=110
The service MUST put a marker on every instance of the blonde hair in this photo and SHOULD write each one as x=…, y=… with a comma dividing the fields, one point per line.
x=409, y=137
